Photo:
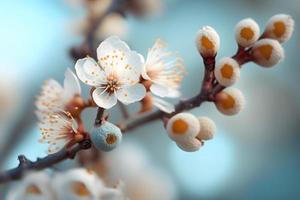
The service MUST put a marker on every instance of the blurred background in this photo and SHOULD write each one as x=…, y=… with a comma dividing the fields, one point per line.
x=255, y=155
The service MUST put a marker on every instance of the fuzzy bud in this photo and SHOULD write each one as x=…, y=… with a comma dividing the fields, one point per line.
x=208, y=128
x=208, y=41
x=267, y=52
x=106, y=137
x=280, y=27
x=246, y=32
x=227, y=71
x=183, y=129
x=183, y=126
x=191, y=145
x=230, y=101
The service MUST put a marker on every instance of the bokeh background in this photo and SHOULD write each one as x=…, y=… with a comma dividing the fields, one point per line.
x=255, y=155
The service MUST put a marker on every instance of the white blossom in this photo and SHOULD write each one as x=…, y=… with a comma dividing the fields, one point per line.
x=116, y=75
x=54, y=97
x=58, y=130
x=35, y=186
x=83, y=184
x=165, y=71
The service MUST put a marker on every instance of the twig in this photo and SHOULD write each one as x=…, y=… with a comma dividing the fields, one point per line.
x=26, y=165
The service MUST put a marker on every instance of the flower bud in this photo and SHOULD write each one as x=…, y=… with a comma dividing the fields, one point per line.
x=246, y=32
x=208, y=128
x=183, y=126
x=230, y=101
x=191, y=145
x=106, y=137
x=208, y=41
x=280, y=27
x=227, y=71
x=267, y=52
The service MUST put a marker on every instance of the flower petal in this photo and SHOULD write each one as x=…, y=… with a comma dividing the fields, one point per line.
x=131, y=94
x=173, y=93
x=104, y=99
x=163, y=105
x=71, y=84
x=51, y=97
x=115, y=57
x=89, y=72
x=159, y=90
x=131, y=72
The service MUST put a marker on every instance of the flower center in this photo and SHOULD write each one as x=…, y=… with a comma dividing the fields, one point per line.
x=112, y=83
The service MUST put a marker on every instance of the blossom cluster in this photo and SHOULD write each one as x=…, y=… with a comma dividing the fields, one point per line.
x=119, y=74
x=75, y=184
x=122, y=74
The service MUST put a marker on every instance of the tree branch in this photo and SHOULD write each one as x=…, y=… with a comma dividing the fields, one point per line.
x=26, y=165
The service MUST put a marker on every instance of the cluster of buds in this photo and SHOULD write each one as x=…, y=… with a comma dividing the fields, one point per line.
x=265, y=50
x=189, y=131
x=75, y=184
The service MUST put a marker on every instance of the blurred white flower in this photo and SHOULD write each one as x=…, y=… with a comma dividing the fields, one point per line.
x=58, y=130
x=143, y=181
x=165, y=71
x=113, y=24
x=10, y=82
x=35, y=186
x=83, y=184
x=116, y=76
x=54, y=97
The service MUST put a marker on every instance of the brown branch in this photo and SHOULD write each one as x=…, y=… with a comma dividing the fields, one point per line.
x=26, y=165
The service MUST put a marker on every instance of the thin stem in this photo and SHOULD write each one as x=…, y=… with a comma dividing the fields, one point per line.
x=42, y=163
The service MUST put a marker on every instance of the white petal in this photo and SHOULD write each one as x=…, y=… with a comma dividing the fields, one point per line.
x=104, y=99
x=109, y=44
x=163, y=105
x=130, y=74
x=89, y=72
x=159, y=90
x=173, y=93
x=111, y=194
x=115, y=57
x=131, y=94
x=51, y=97
x=71, y=84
